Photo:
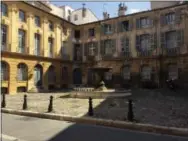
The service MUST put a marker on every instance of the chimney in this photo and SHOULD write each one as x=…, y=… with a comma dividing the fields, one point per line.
x=106, y=15
x=83, y=10
x=122, y=9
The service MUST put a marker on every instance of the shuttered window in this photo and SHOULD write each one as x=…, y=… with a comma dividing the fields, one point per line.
x=3, y=37
x=145, y=42
x=4, y=71
x=109, y=47
x=125, y=45
x=171, y=39
x=170, y=18
x=143, y=22
x=22, y=72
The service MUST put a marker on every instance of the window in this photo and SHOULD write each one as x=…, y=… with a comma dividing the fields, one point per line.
x=22, y=72
x=172, y=72
x=170, y=18
x=144, y=22
x=51, y=26
x=3, y=37
x=91, y=47
x=125, y=45
x=77, y=34
x=124, y=26
x=107, y=29
x=91, y=32
x=171, y=41
x=109, y=46
x=37, y=44
x=126, y=73
x=4, y=71
x=75, y=17
x=37, y=21
x=21, y=45
x=22, y=16
x=69, y=18
x=50, y=45
x=146, y=73
x=69, y=12
x=145, y=42
x=63, y=47
x=64, y=73
x=4, y=9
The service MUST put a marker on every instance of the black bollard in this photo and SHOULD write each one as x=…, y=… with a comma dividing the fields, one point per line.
x=130, y=115
x=50, y=107
x=3, y=103
x=25, y=102
x=90, y=110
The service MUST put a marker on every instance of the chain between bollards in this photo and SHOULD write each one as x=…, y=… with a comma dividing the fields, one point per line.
x=25, y=103
x=130, y=115
x=3, y=103
x=50, y=107
x=90, y=110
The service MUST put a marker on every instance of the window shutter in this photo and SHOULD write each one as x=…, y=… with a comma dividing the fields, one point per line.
x=119, y=26
x=163, y=40
x=114, y=28
x=151, y=22
x=178, y=16
x=102, y=48
x=137, y=23
x=122, y=44
x=153, y=40
x=113, y=45
x=85, y=49
x=127, y=44
x=130, y=24
x=81, y=49
x=162, y=20
x=180, y=37
x=138, y=43
x=102, y=29
x=96, y=48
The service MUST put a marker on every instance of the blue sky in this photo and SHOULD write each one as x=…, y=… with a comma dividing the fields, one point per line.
x=110, y=7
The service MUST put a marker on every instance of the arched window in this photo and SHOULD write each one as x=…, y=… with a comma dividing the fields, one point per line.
x=146, y=73
x=51, y=74
x=4, y=71
x=126, y=73
x=172, y=72
x=22, y=72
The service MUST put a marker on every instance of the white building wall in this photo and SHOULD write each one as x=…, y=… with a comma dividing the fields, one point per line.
x=56, y=10
x=90, y=17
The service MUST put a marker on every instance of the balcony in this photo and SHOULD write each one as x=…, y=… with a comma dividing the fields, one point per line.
x=125, y=54
x=172, y=51
x=144, y=53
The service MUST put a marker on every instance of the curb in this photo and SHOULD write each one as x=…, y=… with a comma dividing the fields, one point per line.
x=103, y=122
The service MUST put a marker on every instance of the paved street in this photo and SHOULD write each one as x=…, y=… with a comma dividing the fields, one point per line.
x=35, y=129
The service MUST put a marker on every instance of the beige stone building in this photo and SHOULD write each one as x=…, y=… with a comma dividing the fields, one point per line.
x=134, y=50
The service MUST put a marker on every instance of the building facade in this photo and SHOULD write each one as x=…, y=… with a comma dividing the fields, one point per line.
x=42, y=52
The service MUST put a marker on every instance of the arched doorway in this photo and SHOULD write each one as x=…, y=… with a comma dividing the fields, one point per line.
x=64, y=77
x=4, y=77
x=38, y=75
x=77, y=76
x=22, y=72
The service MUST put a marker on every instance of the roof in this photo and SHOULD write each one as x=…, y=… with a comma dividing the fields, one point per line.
x=133, y=14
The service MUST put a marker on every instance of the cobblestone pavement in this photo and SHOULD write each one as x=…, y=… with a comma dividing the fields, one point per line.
x=160, y=107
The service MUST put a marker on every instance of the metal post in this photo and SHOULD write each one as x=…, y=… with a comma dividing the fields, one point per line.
x=3, y=103
x=130, y=115
x=25, y=103
x=90, y=110
x=50, y=107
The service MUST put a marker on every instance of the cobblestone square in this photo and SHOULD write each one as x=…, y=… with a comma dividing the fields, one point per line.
x=160, y=107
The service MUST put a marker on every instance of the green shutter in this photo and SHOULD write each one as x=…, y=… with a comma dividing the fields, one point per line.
x=162, y=20
x=163, y=40
x=137, y=23
x=127, y=44
x=119, y=26
x=85, y=49
x=113, y=45
x=180, y=37
x=138, y=42
x=96, y=48
x=178, y=16
x=102, y=48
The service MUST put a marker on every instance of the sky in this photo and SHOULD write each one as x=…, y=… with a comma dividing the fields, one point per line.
x=111, y=7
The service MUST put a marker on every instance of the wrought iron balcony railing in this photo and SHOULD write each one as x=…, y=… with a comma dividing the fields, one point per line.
x=171, y=51
x=144, y=53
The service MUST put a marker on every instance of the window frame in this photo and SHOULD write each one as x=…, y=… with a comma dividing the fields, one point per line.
x=4, y=36
x=37, y=21
x=50, y=25
x=22, y=13
x=4, y=7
